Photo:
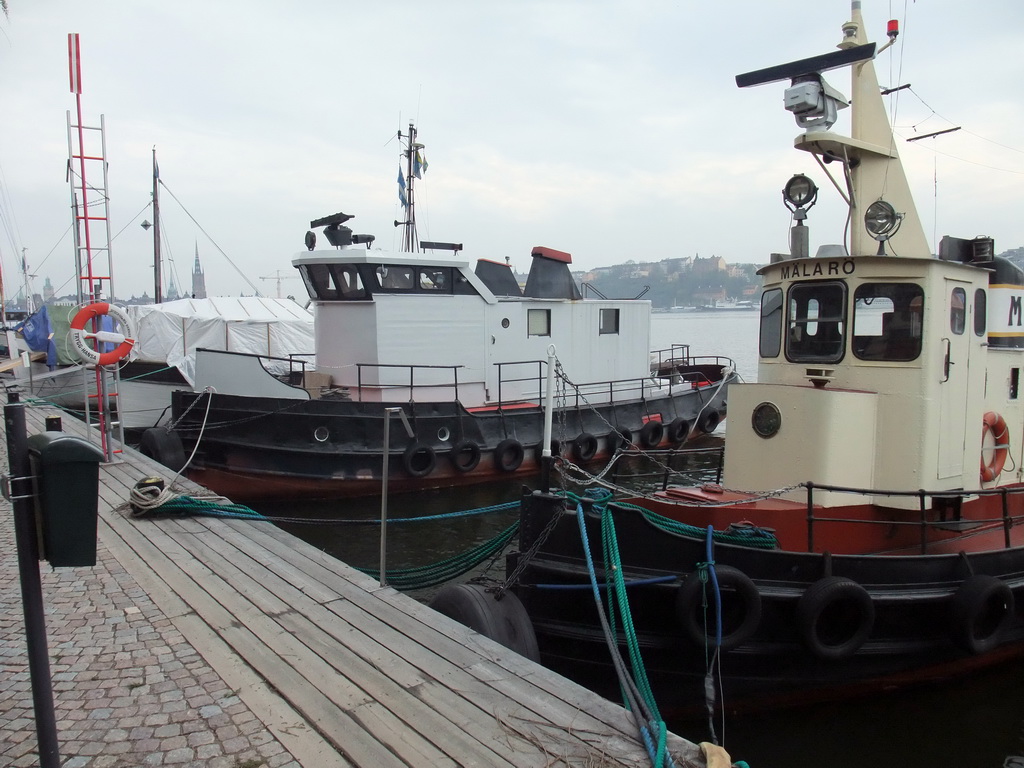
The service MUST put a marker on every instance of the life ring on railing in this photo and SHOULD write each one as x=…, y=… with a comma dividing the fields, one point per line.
x=835, y=616
x=79, y=335
x=509, y=455
x=651, y=434
x=465, y=455
x=709, y=421
x=584, y=446
x=979, y=613
x=505, y=621
x=741, y=608
x=678, y=431
x=995, y=424
x=419, y=459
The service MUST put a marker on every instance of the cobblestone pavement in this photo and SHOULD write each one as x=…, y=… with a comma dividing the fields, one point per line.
x=129, y=690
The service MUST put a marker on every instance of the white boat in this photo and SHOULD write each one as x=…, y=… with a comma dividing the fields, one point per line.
x=455, y=360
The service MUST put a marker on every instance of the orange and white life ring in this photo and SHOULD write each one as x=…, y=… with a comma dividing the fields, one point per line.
x=994, y=424
x=79, y=336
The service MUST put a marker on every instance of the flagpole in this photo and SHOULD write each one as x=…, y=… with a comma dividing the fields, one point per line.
x=157, y=286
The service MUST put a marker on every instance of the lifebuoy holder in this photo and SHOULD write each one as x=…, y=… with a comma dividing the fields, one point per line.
x=80, y=337
x=995, y=424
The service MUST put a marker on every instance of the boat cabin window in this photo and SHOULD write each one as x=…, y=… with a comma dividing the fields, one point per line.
x=887, y=321
x=771, y=323
x=980, y=311
x=332, y=281
x=538, y=322
x=816, y=323
x=609, y=321
x=393, y=277
x=958, y=311
x=435, y=279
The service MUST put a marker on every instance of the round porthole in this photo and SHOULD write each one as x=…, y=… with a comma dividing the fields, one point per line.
x=766, y=420
x=320, y=434
x=505, y=323
x=443, y=434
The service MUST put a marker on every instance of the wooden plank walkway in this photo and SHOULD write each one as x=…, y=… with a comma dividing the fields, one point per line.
x=341, y=671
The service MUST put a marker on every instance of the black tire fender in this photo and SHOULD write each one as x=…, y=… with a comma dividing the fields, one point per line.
x=509, y=455
x=678, y=431
x=835, y=616
x=619, y=439
x=164, y=446
x=505, y=621
x=465, y=455
x=651, y=434
x=419, y=459
x=980, y=612
x=585, y=446
x=741, y=608
x=709, y=421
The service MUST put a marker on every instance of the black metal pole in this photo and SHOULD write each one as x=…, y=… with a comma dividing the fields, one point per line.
x=31, y=584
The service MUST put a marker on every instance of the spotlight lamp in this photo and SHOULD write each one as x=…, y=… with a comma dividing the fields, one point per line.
x=881, y=220
x=799, y=193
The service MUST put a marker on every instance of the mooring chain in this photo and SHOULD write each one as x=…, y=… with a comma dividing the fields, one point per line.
x=525, y=557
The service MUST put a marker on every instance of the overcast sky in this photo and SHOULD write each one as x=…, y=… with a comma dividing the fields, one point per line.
x=610, y=129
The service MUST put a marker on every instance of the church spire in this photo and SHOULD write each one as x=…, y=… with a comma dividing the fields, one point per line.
x=198, y=278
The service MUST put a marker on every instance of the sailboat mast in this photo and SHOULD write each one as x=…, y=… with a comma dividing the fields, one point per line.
x=157, y=288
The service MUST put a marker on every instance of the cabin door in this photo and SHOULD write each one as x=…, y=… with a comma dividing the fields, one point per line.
x=953, y=377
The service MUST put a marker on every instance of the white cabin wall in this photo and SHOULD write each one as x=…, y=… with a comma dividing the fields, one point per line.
x=403, y=330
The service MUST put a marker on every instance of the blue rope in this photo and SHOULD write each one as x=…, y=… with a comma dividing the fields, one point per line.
x=606, y=585
x=657, y=755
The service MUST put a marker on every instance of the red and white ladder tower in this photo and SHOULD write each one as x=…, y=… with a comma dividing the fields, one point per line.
x=90, y=207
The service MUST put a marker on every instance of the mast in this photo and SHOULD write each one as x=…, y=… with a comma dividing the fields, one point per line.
x=410, y=239
x=157, y=290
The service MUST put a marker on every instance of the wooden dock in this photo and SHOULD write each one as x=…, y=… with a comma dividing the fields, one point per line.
x=341, y=671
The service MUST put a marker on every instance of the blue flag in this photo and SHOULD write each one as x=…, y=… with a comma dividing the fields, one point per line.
x=419, y=165
x=401, y=188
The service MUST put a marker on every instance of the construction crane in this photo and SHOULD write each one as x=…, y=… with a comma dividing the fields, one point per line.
x=278, y=277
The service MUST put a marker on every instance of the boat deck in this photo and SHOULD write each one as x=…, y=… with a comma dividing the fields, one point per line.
x=338, y=670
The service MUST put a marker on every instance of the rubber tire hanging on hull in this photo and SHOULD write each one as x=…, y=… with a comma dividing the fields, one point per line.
x=709, y=421
x=678, y=431
x=980, y=611
x=505, y=621
x=651, y=434
x=584, y=447
x=834, y=617
x=509, y=455
x=741, y=608
x=620, y=439
x=465, y=455
x=419, y=459
x=164, y=446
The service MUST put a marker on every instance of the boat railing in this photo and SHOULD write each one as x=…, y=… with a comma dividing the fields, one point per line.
x=412, y=385
x=1005, y=519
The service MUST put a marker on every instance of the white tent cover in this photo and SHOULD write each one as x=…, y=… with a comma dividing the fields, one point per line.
x=172, y=331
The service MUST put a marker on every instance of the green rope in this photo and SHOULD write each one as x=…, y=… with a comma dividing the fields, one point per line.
x=758, y=538
x=431, y=575
x=189, y=505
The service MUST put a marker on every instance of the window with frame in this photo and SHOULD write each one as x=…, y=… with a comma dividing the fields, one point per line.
x=538, y=322
x=770, y=338
x=609, y=321
x=888, y=321
x=980, y=311
x=394, y=277
x=816, y=322
x=958, y=311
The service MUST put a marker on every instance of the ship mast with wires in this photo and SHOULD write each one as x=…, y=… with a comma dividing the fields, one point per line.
x=415, y=167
